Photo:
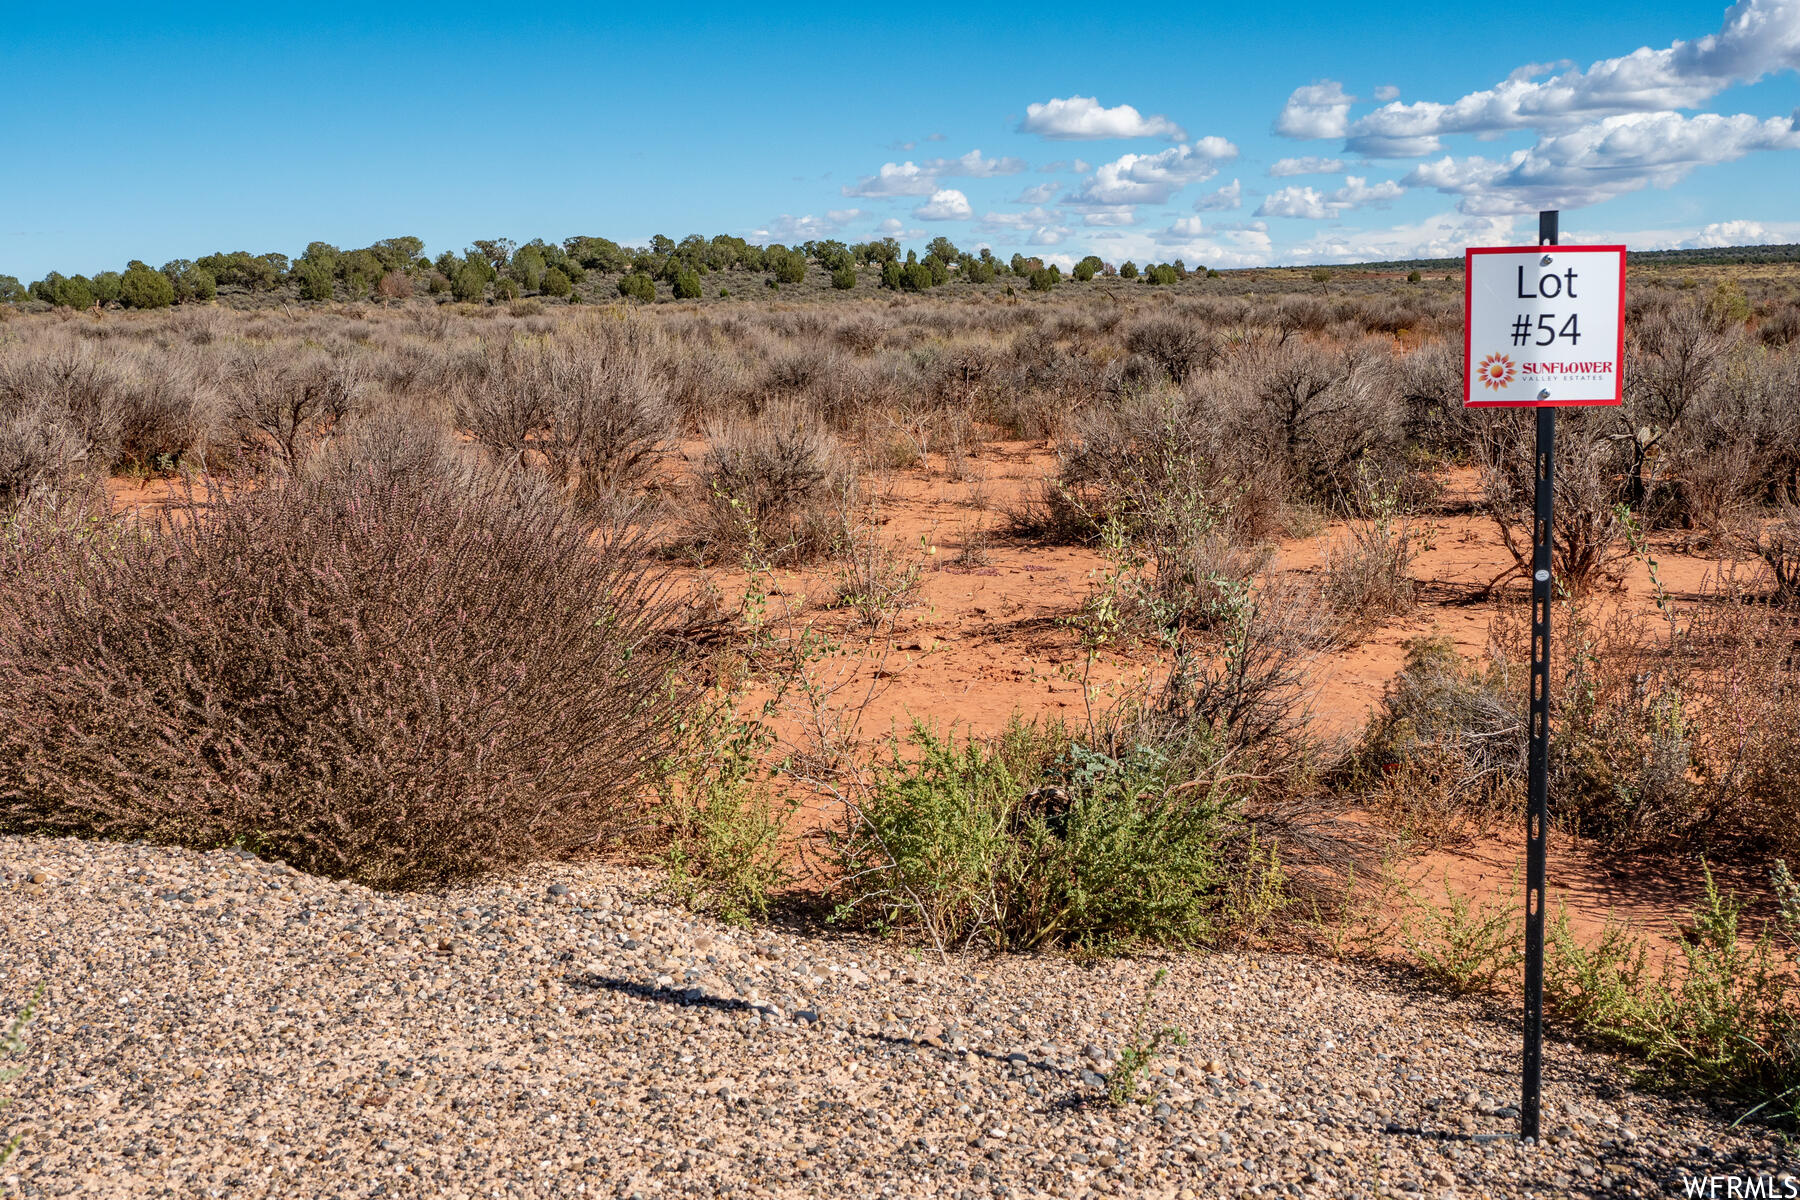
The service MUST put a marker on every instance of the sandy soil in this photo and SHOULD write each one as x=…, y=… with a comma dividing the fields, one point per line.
x=988, y=635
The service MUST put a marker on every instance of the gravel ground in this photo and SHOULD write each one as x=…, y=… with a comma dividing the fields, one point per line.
x=217, y=1025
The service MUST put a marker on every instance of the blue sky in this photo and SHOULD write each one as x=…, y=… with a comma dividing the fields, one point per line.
x=1236, y=136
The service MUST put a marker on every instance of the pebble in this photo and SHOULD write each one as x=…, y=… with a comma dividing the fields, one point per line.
x=316, y=1039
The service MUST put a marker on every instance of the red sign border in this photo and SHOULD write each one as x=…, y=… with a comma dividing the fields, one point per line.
x=1469, y=401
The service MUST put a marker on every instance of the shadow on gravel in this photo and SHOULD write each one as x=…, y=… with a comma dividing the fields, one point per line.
x=696, y=998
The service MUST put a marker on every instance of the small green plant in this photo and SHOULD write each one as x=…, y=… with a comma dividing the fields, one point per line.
x=1464, y=945
x=728, y=845
x=1145, y=1047
x=10, y=1044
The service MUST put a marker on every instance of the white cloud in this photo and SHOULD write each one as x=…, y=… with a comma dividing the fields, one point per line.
x=1237, y=246
x=1605, y=159
x=1040, y=194
x=1756, y=38
x=946, y=204
x=974, y=166
x=1312, y=164
x=1716, y=234
x=1442, y=236
x=1318, y=110
x=1385, y=92
x=1111, y=217
x=1183, y=229
x=1223, y=200
x=1738, y=233
x=891, y=226
x=1153, y=178
x=1083, y=118
x=894, y=179
x=1309, y=204
x=788, y=228
x=1031, y=219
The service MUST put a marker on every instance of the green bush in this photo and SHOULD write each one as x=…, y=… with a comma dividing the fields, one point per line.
x=1034, y=839
x=728, y=847
x=1044, y=278
x=788, y=266
x=1087, y=268
x=844, y=278
x=638, y=286
x=687, y=285
x=1725, y=1020
x=142, y=287
x=11, y=290
x=1413, y=277
x=318, y=281
x=556, y=283
x=1162, y=274
x=469, y=284
x=1129, y=270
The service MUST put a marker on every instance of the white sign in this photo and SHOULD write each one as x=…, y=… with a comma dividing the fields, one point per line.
x=1544, y=325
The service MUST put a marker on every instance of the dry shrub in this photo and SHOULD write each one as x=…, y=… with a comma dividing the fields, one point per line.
x=1588, y=543
x=1370, y=579
x=592, y=413
x=283, y=404
x=1317, y=413
x=382, y=674
x=1445, y=755
x=395, y=285
x=776, y=484
x=1777, y=542
x=1179, y=347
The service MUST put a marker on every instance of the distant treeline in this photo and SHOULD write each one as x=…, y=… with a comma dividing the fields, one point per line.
x=589, y=268
x=577, y=269
x=1716, y=256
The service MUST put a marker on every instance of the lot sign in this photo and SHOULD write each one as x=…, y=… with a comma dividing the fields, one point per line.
x=1544, y=325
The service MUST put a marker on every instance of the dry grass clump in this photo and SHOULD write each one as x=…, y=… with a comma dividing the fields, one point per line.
x=776, y=484
x=383, y=669
x=591, y=411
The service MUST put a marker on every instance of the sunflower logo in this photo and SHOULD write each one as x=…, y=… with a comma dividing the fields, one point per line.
x=1495, y=371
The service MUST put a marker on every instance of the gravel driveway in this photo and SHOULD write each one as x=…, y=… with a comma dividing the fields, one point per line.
x=217, y=1025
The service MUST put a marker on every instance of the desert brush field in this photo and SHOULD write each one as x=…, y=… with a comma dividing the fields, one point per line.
x=997, y=735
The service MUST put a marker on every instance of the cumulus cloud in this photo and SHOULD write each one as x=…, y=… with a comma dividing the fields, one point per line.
x=1309, y=204
x=1385, y=92
x=894, y=179
x=1182, y=229
x=789, y=228
x=1080, y=118
x=1153, y=178
x=1442, y=236
x=1756, y=38
x=890, y=226
x=1605, y=159
x=1040, y=194
x=1318, y=110
x=1312, y=164
x=1111, y=217
x=1030, y=219
x=974, y=166
x=1222, y=200
x=946, y=204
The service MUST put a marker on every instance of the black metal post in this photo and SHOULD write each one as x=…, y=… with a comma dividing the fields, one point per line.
x=1537, y=808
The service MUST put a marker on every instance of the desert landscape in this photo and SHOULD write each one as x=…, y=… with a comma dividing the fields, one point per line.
x=989, y=740
x=942, y=603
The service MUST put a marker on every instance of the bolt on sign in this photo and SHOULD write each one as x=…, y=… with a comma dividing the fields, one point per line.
x=1544, y=325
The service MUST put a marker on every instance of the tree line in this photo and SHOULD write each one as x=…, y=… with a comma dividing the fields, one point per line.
x=502, y=269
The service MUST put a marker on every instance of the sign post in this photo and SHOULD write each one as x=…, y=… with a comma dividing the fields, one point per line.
x=1543, y=326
